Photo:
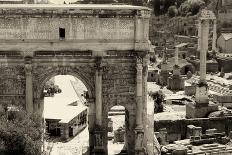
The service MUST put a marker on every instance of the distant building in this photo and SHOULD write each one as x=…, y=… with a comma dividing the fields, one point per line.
x=225, y=42
x=69, y=124
x=11, y=1
x=19, y=1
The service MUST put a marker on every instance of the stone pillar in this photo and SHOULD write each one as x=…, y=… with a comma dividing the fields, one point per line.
x=204, y=48
x=139, y=93
x=91, y=122
x=99, y=133
x=214, y=35
x=98, y=94
x=139, y=145
x=199, y=36
x=29, y=88
x=176, y=55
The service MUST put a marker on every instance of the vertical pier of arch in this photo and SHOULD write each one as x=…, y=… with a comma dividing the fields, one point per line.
x=29, y=88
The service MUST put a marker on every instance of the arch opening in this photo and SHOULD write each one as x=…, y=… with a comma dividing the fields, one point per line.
x=65, y=114
x=117, y=130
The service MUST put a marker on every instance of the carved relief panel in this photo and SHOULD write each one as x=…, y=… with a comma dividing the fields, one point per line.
x=12, y=80
x=118, y=84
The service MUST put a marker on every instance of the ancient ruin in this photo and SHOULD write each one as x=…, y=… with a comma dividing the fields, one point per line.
x=105, y=46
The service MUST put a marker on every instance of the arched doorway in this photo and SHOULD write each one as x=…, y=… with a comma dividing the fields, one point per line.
x=116, y=130
x=65, y=115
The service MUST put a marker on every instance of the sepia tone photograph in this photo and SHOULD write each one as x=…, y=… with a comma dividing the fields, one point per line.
x=115, y=77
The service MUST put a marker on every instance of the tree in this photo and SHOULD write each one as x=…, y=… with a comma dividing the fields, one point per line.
x=21, y=135
x=196, y=5
x=172, y=11
x=184, y=8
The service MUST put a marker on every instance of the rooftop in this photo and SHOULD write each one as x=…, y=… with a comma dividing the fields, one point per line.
x=227, y=36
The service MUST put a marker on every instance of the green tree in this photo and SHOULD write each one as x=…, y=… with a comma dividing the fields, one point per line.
x=172, y=11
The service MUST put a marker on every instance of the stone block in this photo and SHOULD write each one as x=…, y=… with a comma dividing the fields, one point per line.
x=210, y=131
x=193, y=111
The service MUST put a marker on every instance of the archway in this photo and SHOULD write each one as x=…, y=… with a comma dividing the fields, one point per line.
x=116, y=130
x=65, y=115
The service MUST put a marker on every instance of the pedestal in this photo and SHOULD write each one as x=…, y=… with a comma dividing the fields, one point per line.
x=98, y=142
x=139, y=149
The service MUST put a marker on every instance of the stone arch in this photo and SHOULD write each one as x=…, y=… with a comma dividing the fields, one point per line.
x=81, y=75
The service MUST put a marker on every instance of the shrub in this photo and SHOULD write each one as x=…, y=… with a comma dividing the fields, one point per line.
x=21, y=135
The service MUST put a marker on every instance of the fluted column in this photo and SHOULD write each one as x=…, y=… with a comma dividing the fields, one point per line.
x=29, y=88
x=214, y=35
x=91, y=122
x=204, y=48
x=139, y=93
x=98, y=94
x=139, y=130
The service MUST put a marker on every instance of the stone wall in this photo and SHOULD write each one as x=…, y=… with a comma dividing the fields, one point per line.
x=75, y=28
x=12, y=85
x=177, y=129
x=225, y=63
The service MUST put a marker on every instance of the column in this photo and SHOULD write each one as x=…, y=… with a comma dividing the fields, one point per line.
x=214, y=35
x=91, y=122
x=98, y=94
x=139, y=132
x=204, y=48
x=176, y=55
x=139, y=93
x=199, y=36
x=29, y=88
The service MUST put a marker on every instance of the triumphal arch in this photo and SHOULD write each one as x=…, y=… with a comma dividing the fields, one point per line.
x=105, y=46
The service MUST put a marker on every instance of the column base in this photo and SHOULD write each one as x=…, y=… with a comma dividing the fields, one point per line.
x=98, y=141
x=139, y=148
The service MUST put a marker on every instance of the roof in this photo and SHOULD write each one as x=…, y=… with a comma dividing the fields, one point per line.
x=73, y=6
x=67, y=113
x=181, y=45
x=227, y=36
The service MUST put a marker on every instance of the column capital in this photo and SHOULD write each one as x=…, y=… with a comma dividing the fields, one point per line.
x=99, y=64
x=139, y=64
x=28, y=69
